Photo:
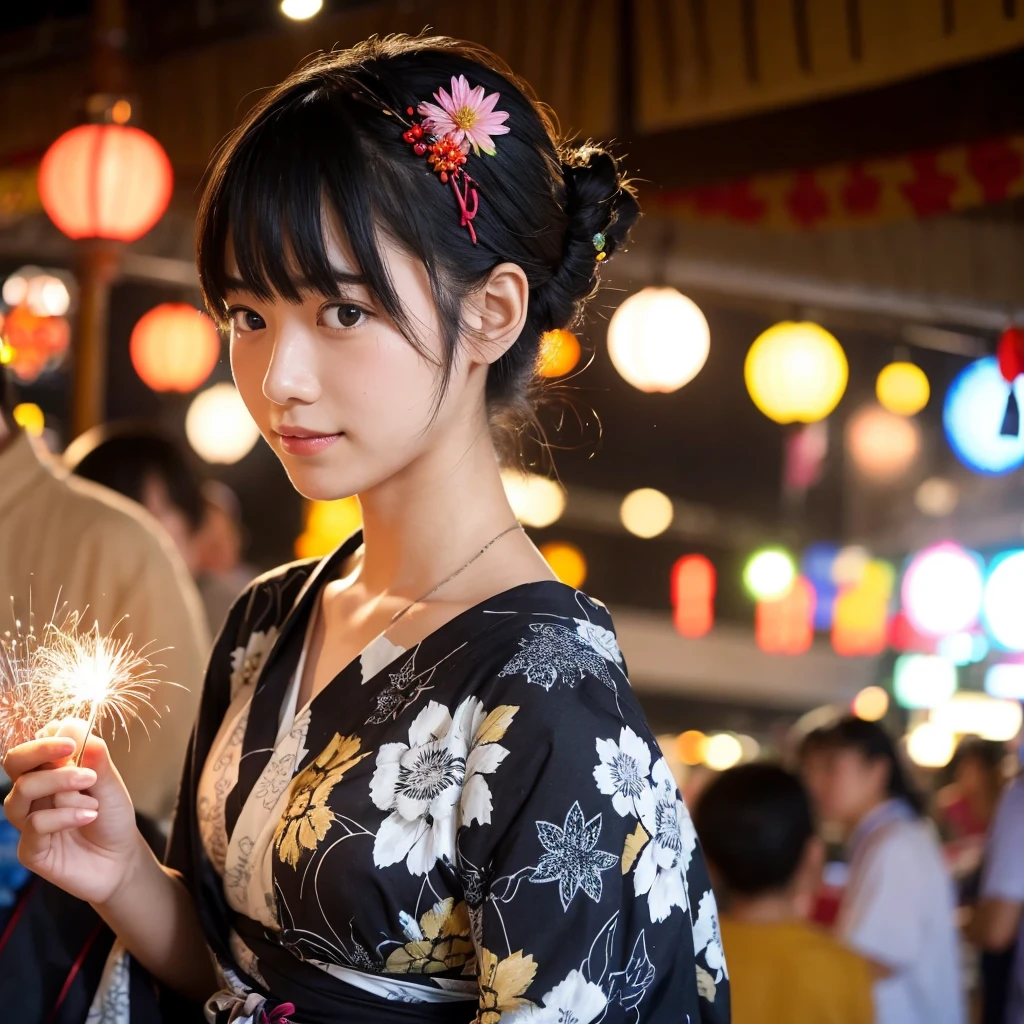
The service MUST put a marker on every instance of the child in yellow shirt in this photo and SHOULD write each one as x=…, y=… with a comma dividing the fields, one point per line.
x=754, y=824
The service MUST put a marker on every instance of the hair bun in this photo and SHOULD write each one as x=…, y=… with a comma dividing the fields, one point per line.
x=598, y=200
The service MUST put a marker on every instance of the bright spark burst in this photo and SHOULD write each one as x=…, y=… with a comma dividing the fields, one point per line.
x=70, y=672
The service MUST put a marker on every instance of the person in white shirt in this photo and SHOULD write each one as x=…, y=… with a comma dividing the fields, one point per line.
x=898, y=909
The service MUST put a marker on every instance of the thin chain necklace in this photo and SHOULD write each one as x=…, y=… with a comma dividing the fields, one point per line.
x=458, y=572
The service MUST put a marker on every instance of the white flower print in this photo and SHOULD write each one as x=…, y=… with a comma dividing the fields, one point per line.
x=376, y=657
x=247, y=661
x=573, y=859
x=707, y=938
x=421, y=783
x=574, y=1000
x=602, y=640
x=661, y=870
x=622, y=773
x=557, y=655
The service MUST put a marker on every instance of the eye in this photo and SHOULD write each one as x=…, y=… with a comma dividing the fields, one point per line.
x=245, y=321
x=342, y=315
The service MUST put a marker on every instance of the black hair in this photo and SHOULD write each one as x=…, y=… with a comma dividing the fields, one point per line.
x=872, y=742
x=329, y=138
x=123, y=456
x=987, y=754
x=754, y=822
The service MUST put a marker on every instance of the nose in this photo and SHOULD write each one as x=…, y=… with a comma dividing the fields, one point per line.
x=292, y=376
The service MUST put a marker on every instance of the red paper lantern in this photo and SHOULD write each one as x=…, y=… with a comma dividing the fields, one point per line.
x=105, y=181
x=31, y=343
x=786, y=625
x=174, y=347
x=693, y=595
x=1010, y=353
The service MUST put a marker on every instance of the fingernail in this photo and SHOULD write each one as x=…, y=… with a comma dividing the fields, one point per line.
x=85, y=816
x=83, y=777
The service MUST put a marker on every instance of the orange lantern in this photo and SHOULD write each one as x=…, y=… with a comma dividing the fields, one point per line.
x=860, y=622
x=105, y=181
x=693, y=595
x=559, y=353
x=174, y=347
x=32, y=344
x=786, y=625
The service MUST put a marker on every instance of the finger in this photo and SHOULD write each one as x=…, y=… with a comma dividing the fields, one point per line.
x=39, y=785
x=57, y=819
x=90, y=803
x=50, y=729
x=27, y=757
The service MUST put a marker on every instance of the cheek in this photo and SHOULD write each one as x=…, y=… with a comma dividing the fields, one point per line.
x=250, y=360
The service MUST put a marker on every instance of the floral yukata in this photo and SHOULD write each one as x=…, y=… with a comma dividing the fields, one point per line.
x=481, y=828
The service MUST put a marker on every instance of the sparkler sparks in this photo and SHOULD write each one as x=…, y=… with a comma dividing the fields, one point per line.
x=70, y=671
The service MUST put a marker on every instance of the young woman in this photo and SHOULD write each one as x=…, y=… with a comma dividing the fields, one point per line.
x=898, y=909
x=419, y=787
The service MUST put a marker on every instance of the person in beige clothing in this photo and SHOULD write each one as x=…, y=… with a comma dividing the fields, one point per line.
x=68, y=540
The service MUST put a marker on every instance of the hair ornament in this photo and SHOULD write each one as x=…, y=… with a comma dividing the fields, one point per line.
x=599, y=244
x=460, y=121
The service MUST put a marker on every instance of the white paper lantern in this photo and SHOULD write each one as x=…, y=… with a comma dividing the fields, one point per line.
x=658, y=340
x=218, y=425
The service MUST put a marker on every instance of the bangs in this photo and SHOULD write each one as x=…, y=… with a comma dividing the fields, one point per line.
x=271, y=194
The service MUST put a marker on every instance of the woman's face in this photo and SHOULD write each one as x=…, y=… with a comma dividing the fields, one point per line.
x=344, y=400
x=848, y=785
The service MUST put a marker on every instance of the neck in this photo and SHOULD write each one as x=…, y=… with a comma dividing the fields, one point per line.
x=772, y=908
x=7, y=435
x=425, y=522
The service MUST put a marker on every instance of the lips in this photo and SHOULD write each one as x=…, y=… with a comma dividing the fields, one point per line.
x=299, y=441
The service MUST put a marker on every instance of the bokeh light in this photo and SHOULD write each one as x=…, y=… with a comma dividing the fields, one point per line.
x=850, y=565
x=923, y=680
x=1003, y=601
x=693, y=595
x=796, y=372
x=861, y=616
x=1006, y=681
x=722, y=751
x=301, y=10
x=30, y=418
x=942, y=590
x=559, y=353
x=937, y=497
x=567, y=562
x=785, y=625
x=979, y=714
x=690, y=746
x=174, y=347
x=769, y=574
x=816, y=564
x=646, y=513
x=973, y=415
x=537, y=501
x=871, y=704
x=930, y=746
x=658, y=340
x=327, y=524
x=219, y=427
x=883, y=446
x=902, y=389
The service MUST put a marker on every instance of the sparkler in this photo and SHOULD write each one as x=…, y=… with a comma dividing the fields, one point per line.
x=70, y=671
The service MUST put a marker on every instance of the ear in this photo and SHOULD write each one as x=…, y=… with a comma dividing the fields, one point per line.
x=494, y=313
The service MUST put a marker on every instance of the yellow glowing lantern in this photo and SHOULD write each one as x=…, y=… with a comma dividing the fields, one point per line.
x=796, y=372
x=902, y=389
x=658, y=340
x=646, y=512
x=566, y=561
x=860, y=617
x=30, y=418
x=883, y=446
x=328, y=523
x=559, y=353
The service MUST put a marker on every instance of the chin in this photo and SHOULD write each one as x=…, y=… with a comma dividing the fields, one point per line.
x=328, y=479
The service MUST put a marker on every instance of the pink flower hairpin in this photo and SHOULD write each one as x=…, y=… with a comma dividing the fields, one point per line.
x=457, y=122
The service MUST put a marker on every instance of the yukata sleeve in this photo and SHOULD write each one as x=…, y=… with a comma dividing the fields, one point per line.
x=587, y=894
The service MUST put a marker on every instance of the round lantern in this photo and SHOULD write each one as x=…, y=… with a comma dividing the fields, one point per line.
x=559, y=353
x=218, y=425
x=881, y=444
x=902, y=389
x=658, y=340
x=105, y=181
x=174, y=347
x=1010, y=353
x=942, y=590
x=974, y=415
x=796, y=372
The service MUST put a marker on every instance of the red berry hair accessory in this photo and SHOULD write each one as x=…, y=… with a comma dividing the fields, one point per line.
x=1010, y=352
x=461, y=120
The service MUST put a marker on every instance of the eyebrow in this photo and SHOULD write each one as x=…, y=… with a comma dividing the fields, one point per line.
x=236, y=284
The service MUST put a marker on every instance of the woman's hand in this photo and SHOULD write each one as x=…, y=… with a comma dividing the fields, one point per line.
x=77, y=825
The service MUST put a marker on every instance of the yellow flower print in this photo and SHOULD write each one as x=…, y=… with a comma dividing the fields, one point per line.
x=440, y=941
x=307, y=818
x=502, y=984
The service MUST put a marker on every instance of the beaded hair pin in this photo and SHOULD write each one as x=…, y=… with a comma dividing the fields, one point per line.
x=459, y=121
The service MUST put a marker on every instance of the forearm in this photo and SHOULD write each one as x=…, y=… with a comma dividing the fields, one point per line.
x=153, y=915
